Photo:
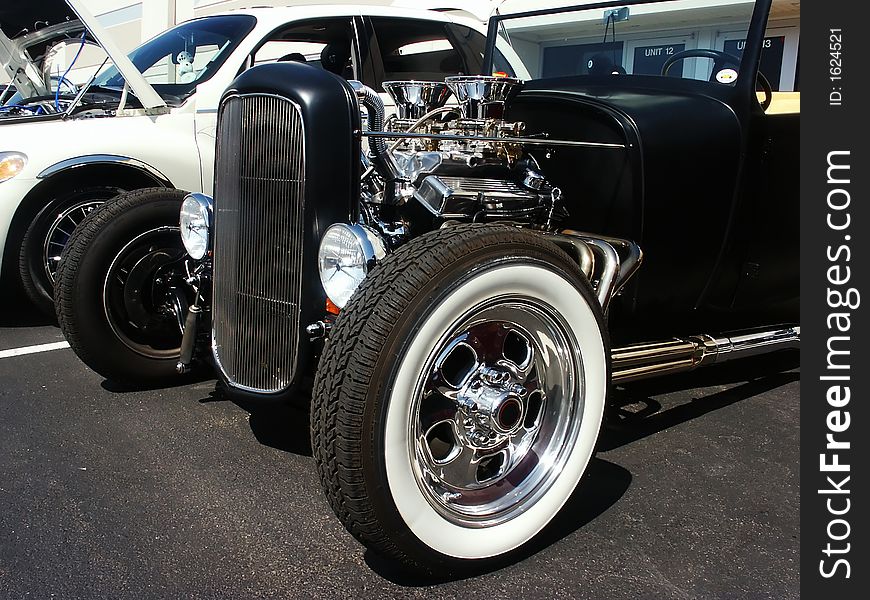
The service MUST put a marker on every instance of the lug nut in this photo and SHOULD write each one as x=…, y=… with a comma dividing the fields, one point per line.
x=519, y=390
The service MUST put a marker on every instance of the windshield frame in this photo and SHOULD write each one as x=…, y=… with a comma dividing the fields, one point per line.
x=749, y=62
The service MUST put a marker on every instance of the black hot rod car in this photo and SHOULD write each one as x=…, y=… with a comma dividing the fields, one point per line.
x=466, y=279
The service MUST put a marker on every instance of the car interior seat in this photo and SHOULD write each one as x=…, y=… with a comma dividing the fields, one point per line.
x=293, y=57
x=335, y=58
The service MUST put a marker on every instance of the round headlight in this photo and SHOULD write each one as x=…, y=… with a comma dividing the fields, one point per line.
x=195, y=222
x=346, y=254
x=11, y=164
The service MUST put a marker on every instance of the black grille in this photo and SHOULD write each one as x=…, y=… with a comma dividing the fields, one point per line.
x=259, y=204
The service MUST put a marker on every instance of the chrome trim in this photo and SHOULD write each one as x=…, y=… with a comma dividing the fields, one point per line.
x=372, y=245
x=105, y=159
x=416, y=99
x=608, y=262
x=653, y=359
x=202, y=199
x=414, y=126
x=207, y=203
x=503, y=140
x=607, y=270
x=258, y=237
x=746, y=344
x=578, y=249
x=482, y=96
x=52, y=259
x=473, y=467
x=319, y=330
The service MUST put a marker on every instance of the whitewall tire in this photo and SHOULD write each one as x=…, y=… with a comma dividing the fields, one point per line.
x=459, y=398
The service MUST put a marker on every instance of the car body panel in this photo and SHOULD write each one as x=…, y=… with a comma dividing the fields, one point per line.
x=711, y=176
x=705, y=148
x=141, y=139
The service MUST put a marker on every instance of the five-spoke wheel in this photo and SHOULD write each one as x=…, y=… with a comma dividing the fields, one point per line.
x=459, y=397
x=485, y=437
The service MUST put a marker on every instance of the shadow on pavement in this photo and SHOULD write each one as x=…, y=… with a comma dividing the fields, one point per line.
x=601, y=487
x=605, y=482
x=285, y=427
x=755, y=376
x=199, y=376
x=17, y=311
x=280, y=425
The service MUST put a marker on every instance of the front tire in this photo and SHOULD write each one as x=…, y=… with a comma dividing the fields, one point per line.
x=116, y=296
x=48, y=235
x=459, y=397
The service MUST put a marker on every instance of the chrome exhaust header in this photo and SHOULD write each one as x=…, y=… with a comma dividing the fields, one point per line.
x=653, y=359
x=607, y=262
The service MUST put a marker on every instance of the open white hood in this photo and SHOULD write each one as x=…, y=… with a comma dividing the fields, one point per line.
x=18, y=32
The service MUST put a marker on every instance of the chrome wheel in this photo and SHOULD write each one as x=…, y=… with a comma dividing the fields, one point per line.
x=60, y=231
x=496, y=412
x=460, y=395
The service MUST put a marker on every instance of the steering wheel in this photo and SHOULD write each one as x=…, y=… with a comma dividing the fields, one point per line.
x=720, y=61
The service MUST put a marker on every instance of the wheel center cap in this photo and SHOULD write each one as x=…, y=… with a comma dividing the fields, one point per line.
x=491, y=408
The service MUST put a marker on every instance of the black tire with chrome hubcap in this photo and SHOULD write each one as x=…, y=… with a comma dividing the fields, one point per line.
x=121, y=296
x=459, y=397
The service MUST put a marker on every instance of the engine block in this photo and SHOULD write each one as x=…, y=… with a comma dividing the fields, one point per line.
x=464, y=162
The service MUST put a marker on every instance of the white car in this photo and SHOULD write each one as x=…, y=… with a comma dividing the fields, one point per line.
x=148, y=119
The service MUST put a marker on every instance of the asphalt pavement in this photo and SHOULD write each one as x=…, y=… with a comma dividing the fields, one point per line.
x=180, y=493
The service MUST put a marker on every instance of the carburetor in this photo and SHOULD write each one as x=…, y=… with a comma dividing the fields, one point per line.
x=479, y=114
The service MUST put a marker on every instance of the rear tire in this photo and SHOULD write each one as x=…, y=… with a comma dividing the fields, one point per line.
x=111, y=300
x=459, y=397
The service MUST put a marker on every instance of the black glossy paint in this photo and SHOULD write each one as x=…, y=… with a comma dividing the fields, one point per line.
x=705, y=185
x=332, y=151
x=710, y=196
x=683, y=166
x=761, y=266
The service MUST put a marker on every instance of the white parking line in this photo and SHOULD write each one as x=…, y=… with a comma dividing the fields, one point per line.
x=33, y=349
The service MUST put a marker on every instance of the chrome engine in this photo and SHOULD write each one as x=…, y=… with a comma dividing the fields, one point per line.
x=435, y=163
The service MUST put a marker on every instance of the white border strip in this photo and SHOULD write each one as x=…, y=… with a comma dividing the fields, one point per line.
x=33, y=349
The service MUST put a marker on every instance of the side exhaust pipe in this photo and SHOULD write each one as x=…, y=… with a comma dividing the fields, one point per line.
x=652, y=359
